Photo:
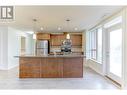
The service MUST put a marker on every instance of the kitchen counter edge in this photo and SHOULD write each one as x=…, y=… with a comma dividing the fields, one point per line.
x=55, y=56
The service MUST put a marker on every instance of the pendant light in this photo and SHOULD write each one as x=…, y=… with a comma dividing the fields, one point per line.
x=34, y=28
x=68, y=35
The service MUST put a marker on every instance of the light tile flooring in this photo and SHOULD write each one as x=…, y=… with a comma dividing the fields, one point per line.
x=92, y=80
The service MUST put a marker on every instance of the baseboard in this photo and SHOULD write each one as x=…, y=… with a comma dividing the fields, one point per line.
x=97, y=71
x=11, y=67
x=3, y=68
x=94, y=66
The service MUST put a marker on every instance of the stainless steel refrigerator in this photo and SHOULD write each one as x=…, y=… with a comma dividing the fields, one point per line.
x=42, y=47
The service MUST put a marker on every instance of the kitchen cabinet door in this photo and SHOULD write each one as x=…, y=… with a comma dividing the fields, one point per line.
x=73, y=68
x=56, y=40
x=29, y=68
x=52, y=68
x=43, y=36
x=76, y=40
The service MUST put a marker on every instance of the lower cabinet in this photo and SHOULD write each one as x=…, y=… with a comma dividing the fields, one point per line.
x=49, y=67
x=73, y=68
x=52, y=68
x=29, y=68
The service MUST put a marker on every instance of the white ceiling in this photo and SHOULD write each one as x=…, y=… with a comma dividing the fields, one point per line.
x=52, y=17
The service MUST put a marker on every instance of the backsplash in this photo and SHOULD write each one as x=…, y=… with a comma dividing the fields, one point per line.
x=58, y=49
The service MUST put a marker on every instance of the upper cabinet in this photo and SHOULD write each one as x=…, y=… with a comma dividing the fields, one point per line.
x=76, y=39
x=43, y=36
x=57, y=39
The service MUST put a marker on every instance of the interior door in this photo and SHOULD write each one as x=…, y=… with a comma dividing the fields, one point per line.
x=114, y=54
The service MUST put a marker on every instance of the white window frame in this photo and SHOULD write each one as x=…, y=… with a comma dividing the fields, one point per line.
x=101, y=45
x=95, y=43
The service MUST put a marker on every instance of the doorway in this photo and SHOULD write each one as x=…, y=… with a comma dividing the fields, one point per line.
x=114, y=53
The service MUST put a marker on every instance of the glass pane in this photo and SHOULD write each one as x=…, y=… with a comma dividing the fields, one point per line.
x=99, y=39
x=116, y=52
x=93, y=44
x=90, y=47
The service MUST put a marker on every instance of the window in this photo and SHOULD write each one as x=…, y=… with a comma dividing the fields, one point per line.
x=92, y=44
x=95, y=44
x=99, y=45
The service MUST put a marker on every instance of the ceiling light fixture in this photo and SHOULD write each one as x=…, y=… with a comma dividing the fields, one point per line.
x=68, y=25
x=34, y=28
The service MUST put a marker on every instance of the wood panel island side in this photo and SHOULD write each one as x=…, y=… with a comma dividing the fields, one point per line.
x=50, y=66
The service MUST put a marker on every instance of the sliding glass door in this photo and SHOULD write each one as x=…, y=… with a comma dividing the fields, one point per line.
x=114, y=54
x=114, y=48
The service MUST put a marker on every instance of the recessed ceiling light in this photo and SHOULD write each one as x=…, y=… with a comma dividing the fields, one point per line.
x=59, y=28
x=75, y=28
x=42, y=28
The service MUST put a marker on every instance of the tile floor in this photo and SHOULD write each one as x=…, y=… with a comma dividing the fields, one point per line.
x=92, y=80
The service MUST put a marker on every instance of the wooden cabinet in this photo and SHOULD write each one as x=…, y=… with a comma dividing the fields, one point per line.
x=52, y=68
x=76, y=40
x=43, y=36
x=56, y=40
x=73, y=67
x=29, y=68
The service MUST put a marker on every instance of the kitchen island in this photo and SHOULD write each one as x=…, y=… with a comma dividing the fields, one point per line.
x=51, y=66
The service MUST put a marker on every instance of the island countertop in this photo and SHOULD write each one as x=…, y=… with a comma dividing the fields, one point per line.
x=62, y=56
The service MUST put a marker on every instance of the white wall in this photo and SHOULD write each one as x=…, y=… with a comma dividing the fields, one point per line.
x=28, y=44
x=125, y=46
x=3, y=47
x=95, y=66
x=33, y=44
x=9, y=47
x=10, y=44
x=13, y=47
